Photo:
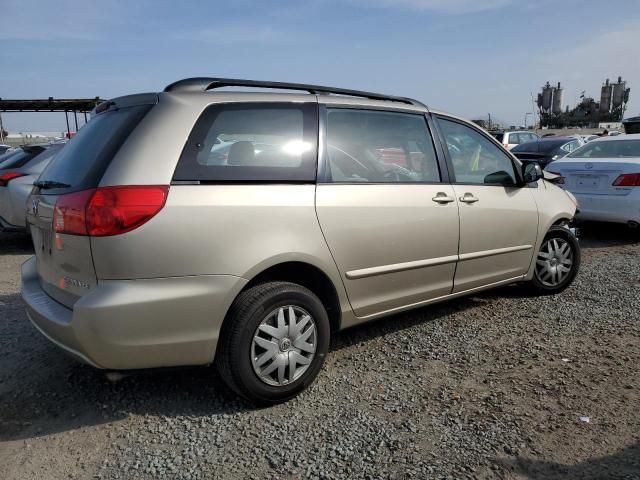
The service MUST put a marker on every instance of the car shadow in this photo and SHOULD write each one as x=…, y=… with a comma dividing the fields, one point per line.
x=603, y=235
x=15, y=243
x=43, y=392
x=622, y=465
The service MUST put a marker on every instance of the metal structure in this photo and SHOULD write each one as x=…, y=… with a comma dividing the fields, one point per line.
x=76, y=106
x=588, y=112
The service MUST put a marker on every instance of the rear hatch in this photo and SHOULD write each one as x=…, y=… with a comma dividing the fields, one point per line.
x=595, y=177
x=64, y=262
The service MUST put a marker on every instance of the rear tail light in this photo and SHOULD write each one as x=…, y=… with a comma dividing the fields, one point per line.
x=5, y=178
x=559, y=180
x=627, y=180
x=107, y=211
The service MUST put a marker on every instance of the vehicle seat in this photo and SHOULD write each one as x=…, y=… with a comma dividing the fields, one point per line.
x=241, y=153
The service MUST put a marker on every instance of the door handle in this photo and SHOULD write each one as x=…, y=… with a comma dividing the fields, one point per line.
x=443, y=198
x=469, y=198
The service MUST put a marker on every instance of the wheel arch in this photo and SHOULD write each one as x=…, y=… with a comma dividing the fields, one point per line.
x=307, y=275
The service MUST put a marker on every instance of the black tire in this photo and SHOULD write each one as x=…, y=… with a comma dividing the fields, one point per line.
x=536, y=285
x=233, y=357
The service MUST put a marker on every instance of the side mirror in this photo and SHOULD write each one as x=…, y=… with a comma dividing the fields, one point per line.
x=531, y=172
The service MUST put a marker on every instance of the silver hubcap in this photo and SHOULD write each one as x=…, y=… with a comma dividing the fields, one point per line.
x=554, y=262
x=284, y=345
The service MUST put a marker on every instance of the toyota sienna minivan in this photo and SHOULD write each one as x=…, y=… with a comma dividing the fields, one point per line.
x=204, y=226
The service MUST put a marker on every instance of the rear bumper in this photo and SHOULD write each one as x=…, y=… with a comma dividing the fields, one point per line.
x=609, y=208
x=135, y=324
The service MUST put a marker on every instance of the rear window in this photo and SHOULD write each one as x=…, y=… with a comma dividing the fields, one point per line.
x=84, y=159
x=249, y=142
x=527, y=147
x=608, y=149
x=513, y=138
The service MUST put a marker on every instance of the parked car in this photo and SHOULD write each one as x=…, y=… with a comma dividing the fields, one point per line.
x=150, y=255
x=16, y=185
x=4, y=148
x=546, y=150
x=604, y=175
x=16, y=158
x=511, y=139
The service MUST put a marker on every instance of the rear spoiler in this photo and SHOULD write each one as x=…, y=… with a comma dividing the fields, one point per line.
x=126, y=101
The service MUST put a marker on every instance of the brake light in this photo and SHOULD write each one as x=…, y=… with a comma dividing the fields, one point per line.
x=5, y=178
x=108, y=211
x=627, y=180
x=560, y=180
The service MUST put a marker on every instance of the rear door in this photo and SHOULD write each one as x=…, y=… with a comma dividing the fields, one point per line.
x=64, y=262
x=498, y=220
x=390, y=221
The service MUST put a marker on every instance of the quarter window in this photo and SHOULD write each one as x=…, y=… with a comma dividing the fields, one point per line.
x=252, y=142
x=379, y=147
x=475, y=158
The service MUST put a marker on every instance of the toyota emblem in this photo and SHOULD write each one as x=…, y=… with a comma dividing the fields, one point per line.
x=34, y=206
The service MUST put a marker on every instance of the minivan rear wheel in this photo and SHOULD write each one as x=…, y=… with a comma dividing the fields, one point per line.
x=556, y=263
x=273, y=342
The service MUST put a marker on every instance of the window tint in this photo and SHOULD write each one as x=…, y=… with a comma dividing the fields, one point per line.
x=85, y=158
x=252, y=142
x=475, y=158
x=379, y=147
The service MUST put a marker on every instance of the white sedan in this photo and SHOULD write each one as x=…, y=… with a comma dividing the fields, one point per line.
x=604, y=176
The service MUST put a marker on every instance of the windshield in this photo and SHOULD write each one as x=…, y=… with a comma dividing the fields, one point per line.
x=608, y=149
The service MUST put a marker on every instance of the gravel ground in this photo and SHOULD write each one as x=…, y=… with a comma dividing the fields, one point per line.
x=493, y=386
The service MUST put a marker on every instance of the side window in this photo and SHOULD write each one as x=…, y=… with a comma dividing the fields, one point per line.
x=514, y=138
x=252, y=142
x=475, y=158
x=379, y=147
x=570, y=147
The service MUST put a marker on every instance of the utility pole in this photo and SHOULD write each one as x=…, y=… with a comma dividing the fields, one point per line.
x=1, y=130
x=489, y=121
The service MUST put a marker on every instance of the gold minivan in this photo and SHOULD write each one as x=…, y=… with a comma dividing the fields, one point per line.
x=201, y=225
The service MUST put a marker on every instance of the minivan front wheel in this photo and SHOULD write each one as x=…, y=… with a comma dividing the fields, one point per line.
x=557, y=262
x=273, y=342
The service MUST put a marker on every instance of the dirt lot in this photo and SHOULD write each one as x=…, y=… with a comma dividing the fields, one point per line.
x=499, y=385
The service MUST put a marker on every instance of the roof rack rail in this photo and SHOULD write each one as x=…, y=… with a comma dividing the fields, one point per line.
x=202, y=84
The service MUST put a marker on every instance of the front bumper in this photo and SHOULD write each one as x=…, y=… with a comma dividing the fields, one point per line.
x=136, y=324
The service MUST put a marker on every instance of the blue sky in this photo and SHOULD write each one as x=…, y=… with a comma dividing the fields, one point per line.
x=468, y=57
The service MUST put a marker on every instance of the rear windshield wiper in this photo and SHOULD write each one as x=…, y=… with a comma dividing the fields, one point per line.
x=45, y=184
